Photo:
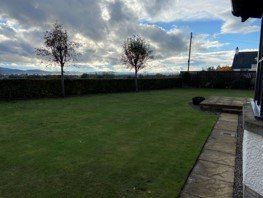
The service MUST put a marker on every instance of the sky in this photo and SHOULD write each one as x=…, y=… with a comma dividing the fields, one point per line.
x=101, y=26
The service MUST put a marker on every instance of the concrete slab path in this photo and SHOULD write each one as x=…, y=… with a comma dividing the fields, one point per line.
x=213, y=174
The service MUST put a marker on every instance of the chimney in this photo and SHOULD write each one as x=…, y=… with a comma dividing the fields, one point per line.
x=237, y=50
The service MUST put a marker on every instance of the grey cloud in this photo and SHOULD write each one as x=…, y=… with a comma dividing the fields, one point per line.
x=168, y=43
x=7, y=31
x=81, y=15
x=154, y=7
x=16, y=47
x=234, y=25
x=85, y=17
x=27, y=12
x=120, y=12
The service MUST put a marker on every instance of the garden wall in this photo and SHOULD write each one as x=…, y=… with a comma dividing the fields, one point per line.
x=41, y=88
x=217, y=79
x=252, y=154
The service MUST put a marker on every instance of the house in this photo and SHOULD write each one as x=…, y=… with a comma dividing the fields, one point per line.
x=253, y=110
x=245, y=61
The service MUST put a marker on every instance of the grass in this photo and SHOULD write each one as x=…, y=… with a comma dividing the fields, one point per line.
x=117, y=145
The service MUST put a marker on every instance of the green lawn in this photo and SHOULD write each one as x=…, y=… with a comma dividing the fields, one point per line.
x=117, y=145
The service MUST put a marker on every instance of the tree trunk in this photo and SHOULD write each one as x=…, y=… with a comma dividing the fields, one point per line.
x=62, y=81
x=136, y=80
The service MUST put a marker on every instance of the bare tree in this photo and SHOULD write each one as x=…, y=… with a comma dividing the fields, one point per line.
x=58, y=49
x=136, y=52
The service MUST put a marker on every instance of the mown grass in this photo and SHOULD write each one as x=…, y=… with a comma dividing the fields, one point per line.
x=116, y=145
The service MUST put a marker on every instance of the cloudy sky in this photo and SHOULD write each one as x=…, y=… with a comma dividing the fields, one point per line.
x=101, y=26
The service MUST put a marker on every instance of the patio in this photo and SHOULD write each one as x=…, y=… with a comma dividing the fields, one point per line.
x=224, y=104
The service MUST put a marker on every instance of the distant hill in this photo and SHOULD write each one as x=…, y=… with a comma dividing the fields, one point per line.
x=8, y=71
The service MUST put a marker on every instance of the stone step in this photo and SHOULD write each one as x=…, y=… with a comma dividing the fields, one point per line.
x=224, y=104
x=228, y=109
x=232, y=111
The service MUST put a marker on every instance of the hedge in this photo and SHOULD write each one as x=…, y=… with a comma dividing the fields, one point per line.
x=43, y=88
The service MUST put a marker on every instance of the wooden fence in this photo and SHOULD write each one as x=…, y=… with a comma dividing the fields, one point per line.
x=217, y=79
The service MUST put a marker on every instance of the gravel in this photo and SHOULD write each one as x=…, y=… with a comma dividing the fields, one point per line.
x=238, y=186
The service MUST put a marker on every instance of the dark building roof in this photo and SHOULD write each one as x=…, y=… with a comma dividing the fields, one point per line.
x=244, y=60
x=247, y=8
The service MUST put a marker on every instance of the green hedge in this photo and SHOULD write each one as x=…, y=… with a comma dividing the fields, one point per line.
x=41, y=88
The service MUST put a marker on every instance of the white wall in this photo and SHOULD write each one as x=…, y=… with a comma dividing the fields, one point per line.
x=253, y=161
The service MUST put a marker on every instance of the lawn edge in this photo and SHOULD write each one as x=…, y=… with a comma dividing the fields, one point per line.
x=181, y=190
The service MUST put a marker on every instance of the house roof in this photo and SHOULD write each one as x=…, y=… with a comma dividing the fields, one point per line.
x=247, y=8
x=244, y=60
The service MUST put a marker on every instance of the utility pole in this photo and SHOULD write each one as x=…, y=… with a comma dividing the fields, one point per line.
x=190, y=50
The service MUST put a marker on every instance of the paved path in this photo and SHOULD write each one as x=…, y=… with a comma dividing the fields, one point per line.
x=213, y=174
